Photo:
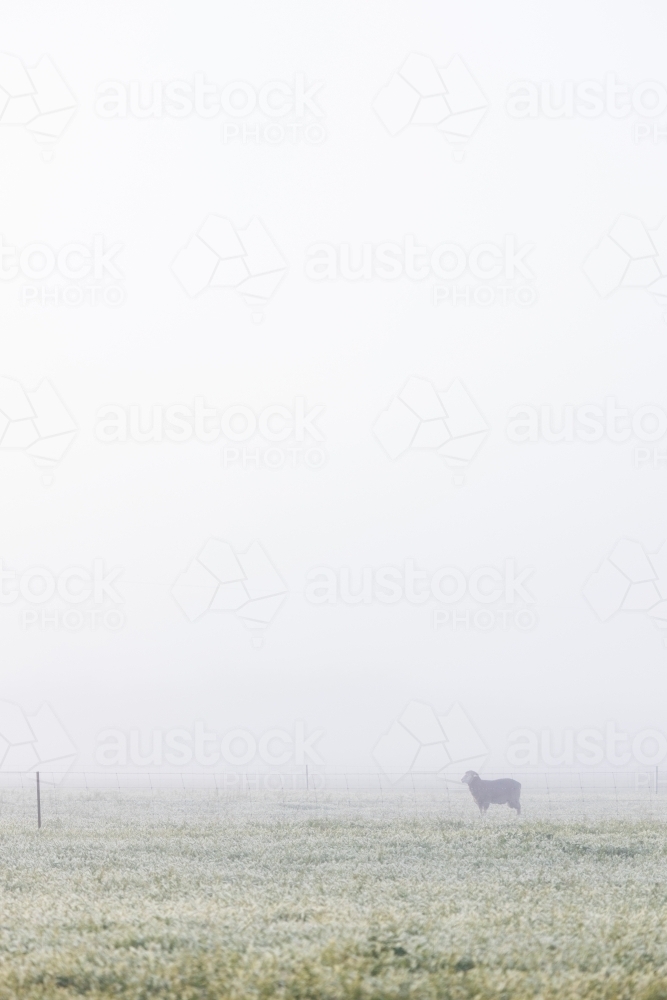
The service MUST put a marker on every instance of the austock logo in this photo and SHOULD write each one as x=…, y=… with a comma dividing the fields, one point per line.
x=423, y=418
x=388, y=261
x=221, y=580
x=631, y=580
x=220, y=256
x=276, y=437
x=421, y=741
x=90, y=597
x=590, y=423
x=446, y=98
x=30, y=742
x=36, y=422
x=630, y=256
x=36, y=97
x=272, y=113
x=589, y=747
x=82, y=273
x=494, y=274
x=592, y=99
x=466, y=596
x=182, y=747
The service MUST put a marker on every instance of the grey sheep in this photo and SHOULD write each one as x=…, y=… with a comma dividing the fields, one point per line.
x=500, y=792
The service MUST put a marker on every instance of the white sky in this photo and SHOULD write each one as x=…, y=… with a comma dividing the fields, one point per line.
x=348, y=346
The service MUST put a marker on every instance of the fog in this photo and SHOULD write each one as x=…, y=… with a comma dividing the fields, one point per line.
x=333, y=413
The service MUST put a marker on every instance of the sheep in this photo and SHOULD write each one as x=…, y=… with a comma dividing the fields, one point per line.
x=504, y=790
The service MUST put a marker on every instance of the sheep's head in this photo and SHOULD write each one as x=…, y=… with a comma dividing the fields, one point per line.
x=468, y=776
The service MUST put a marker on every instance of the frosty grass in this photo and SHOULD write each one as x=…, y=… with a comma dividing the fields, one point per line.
x=290, y=903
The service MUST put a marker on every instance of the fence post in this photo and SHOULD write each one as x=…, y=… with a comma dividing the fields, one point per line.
x=39, y=806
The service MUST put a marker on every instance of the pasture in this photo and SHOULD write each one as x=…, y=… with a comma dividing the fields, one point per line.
x=296, y=901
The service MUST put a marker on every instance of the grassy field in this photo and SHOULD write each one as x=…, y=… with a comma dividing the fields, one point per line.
x=336, y=908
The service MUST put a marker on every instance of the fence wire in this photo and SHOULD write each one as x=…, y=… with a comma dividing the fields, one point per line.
x=91, y=798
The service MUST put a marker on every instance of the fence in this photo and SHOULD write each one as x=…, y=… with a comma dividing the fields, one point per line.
x=46, y=798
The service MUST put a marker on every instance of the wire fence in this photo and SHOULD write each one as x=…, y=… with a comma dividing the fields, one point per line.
x=85, y=798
